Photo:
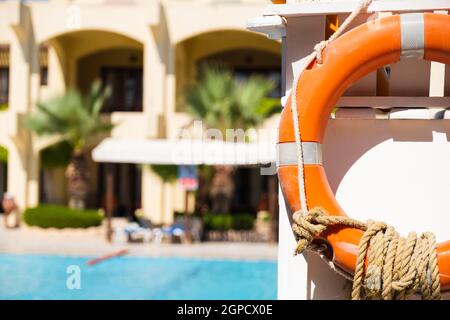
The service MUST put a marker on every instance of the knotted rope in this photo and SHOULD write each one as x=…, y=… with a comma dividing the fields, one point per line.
x=396, y=267
x=318, y=48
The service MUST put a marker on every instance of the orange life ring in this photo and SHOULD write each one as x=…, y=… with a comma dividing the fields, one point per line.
x=353, y=55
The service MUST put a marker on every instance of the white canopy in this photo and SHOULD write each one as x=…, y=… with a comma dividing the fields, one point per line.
x=187, y=152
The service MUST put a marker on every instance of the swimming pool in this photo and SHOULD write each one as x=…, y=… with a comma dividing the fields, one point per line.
x=45, y=277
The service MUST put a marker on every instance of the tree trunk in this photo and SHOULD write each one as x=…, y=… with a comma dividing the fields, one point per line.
x=202, y=194
x=222, y=189
x=77, y=175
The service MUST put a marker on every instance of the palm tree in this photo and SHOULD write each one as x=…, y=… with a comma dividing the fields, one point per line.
x=223, y=102
x=76, y=119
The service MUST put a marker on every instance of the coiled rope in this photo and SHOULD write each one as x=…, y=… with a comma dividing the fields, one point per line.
x=396, y=267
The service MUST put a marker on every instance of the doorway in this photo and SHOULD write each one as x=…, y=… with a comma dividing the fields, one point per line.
x=126, y=186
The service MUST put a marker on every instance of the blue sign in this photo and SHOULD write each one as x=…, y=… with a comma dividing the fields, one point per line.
x=188, y=177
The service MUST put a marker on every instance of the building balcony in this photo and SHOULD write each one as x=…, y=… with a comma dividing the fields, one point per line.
x=128, y=124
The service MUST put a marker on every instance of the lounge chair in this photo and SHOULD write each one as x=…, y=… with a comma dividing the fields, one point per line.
x=136, y=233
x=171, y=233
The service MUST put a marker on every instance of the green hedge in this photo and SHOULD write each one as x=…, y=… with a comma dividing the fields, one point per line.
x=243, y=221
x=224, y=222
x=54, y=216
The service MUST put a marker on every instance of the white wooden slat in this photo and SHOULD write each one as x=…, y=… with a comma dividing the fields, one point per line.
x=273, y=26
x=393, y=102
x=336, y=7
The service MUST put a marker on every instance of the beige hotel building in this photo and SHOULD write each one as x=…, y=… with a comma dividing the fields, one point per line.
x=147, y=50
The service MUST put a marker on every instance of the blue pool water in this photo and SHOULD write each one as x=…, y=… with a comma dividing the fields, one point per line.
x=45, y=277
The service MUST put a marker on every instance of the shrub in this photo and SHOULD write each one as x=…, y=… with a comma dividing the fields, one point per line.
x=207, y=221
x=54, y=216
x=243, y=221
x=224, y=222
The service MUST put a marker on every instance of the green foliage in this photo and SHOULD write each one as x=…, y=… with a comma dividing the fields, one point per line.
x=180, y=214
x=4, y=106
x=205, y=172
x=221, y=222
x=57, y=155
x=223, y=102
x=243, y=221
x=54, y=216
x=224, y=222
x=264, y=216
x=3, y=155
x=167, y=173
x=333, y=112
x=72, y=117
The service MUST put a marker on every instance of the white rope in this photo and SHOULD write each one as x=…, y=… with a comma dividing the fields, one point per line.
x=318, y=48
x=304, y=63
x=298, y=139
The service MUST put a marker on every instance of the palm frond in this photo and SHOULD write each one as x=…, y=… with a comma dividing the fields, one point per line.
x=222, y=102
x=71, y=116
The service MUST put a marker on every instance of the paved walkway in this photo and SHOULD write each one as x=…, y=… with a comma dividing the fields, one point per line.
x=91, y=242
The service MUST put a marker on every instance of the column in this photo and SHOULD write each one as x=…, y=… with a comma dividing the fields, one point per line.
x=17, y=174
x=154, y=84
x=152, y=195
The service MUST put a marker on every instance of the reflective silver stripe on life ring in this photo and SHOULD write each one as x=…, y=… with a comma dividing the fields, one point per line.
x=412, y=33
x=287, y=153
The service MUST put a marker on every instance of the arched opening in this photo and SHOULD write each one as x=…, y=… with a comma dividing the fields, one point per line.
x=79, y=58
x=121, y=69
x=246, y=62
x=245, y=54
x=76, y=60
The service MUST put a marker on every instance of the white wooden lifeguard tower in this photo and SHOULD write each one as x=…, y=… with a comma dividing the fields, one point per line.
x=387, y=147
